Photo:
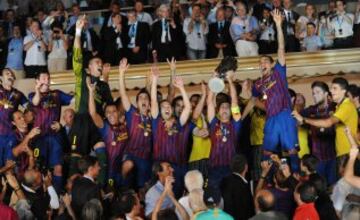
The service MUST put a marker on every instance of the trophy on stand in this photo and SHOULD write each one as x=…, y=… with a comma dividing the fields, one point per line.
x=216, y=83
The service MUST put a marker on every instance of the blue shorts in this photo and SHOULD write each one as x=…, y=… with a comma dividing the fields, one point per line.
x=6, y=148
x=50, y=150
x=327, y=169
x=142, y=169
x=280, y=132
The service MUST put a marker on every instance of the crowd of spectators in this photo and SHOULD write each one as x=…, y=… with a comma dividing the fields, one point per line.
x=253, y=151
x=38, y=34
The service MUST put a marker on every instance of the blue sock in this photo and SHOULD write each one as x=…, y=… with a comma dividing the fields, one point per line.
x=57, y=182
x=294, y=162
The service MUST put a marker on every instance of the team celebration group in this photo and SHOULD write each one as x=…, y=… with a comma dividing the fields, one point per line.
x=252, y=151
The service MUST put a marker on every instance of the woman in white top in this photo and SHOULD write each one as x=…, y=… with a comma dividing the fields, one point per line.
x=58, y=46
x=302, y=22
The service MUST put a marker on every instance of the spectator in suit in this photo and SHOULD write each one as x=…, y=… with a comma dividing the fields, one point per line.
x=138, y=39
x=9, y=22
x=85, y=188
x=114, y=41
x=292, y=44
x=238, y=200
x=166, y=35
x=114, y=9
x=220, y=43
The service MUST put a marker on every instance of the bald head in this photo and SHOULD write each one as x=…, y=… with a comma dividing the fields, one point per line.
x=264, y=201
x=68, y=116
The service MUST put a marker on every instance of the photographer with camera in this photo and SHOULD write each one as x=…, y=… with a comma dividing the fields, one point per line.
x=267, y=41
x=35, y=46
x=196, y=28
x=58, y=46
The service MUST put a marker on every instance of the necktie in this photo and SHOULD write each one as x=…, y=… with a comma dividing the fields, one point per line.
x=166, y=29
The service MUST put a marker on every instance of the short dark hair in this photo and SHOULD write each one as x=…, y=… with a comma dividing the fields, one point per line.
x=343, y=1
x=311, y=24
x=127, y=201
x=37, y=75
x=238, y=163
x=307, y=192
x=268, y=57
x=265, y=205
x=195, y=96
x=142, y=91
x=319, y=182
x=354, y=90
x=167, y=214
x=195, y=5
x=322, y=85
x=342, y=82
x=310, y=162
x=222, y=98
x=86, y=162
x=110, y=104
x=11, y=116
x=176, y=99
x=281, y=179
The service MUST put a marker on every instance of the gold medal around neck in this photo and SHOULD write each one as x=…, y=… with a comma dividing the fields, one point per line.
x=113, y=143
x=73, y=147
x=6, y=106
x=322, y=129
x=224, y=139
x=265, y=96
x=170, y=133
x=146, y=133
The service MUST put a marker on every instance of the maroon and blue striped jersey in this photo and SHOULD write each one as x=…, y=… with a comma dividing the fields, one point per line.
x=9, y=103
x=49, y=109
x=140, y=134
x=274, y=90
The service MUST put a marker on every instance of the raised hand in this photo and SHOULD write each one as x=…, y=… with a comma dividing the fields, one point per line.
x=80, y=23
x=154, y=73
x=277, y=16
x=354, y=151
x=123, y=65
x=172, y=63
x=297, y=116
x=265, y=167
x=169, y=184
x=90, y=86
x=35, y=131
x=230, y=75
x=178, y=82
x=203, y=88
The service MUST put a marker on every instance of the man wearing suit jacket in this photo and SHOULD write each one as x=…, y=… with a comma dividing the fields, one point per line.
x=238, y=201
x=113, y=39
x=114, y=10
x=85, y=188
x=292, y=44
x=219, y=39
x=138, y=36
x=166, y=36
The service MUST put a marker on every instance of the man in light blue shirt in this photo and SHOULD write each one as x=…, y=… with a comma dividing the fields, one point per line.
x=161, y=170
x=15, y=59
x=312, y=42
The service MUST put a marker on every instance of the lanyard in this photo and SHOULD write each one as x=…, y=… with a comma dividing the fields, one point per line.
x=338, y=21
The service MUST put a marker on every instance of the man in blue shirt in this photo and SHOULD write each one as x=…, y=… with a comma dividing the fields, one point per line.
x=15, y=53
x=161, y=170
